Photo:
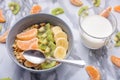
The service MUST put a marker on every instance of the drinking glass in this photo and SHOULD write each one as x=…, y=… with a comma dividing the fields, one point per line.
x=93, y=42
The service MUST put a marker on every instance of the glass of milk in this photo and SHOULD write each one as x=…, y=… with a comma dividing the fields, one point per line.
x=96, y=31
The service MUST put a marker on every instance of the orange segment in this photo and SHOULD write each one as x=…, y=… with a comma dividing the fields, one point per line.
x=117, y=8
x=27, y=35
x=35, y=9
x=115, y=60
x=4, y=36
x=2, y=18
x=93, y=73
x=29, y=64
x=30, y=44
x=76, y=2
x=106, y=12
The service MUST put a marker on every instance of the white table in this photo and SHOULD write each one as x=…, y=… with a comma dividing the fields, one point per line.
x=99, y=58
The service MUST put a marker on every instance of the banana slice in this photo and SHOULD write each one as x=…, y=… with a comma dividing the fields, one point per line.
x=60, y=35
x=60, y=53
x=29, y=64
x=56, y=29
x=62, y=42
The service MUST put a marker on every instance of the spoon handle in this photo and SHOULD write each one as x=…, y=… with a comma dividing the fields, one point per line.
x=80, y=63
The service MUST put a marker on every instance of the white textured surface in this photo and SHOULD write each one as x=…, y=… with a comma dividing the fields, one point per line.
x=100, y=59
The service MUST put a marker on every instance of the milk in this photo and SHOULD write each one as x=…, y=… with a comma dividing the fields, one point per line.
x=96, y=26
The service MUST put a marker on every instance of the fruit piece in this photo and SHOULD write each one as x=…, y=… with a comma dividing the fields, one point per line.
x=105, y=13
x=117, y=44
x=47, y=65
x=28, y=34
x=42, y=29
x=15, y=7
x=6, y=78
x=96, y=3
x=0, y=28
x=93, y=73
x=57, y=11
x=47, y=50
x=62, y=42
x=60, y=35
x=4, y=36
x=35, y=9
x=76, y=2
x=47, y=26
x=52, y=45
x=26, y=45
x=116, y=39
x=115, y=60
x=56, y=29
x=29, y=64
x=118, y=34
x=43, y=47
x=49, y=35
x=44, y=41
x=117, y=8
x=60, y=53
x=44, y=35
x=2, y=18
x=82, y=10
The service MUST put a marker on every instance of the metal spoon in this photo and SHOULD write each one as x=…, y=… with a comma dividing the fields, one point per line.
x=37, y=57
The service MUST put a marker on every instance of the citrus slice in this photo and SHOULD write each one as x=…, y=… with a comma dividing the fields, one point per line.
x=62, y=42
x=93, y=73
x=60, y=53
x=56, y=29
x=27, y=35
x=106, y=12
x=4, y=36
x=60, y=35
x=115, y=60
x=35, y=9
x=26, y=45
x=29, y=64
x=117, y=8
x=76, y=2
x=2, y=18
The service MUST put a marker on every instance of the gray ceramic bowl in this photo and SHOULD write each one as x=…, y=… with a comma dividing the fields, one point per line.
x=27, y=22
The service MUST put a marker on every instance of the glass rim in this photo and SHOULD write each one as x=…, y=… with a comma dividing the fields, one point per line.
x=114, y=29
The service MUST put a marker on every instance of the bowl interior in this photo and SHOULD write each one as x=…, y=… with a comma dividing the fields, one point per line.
x=34, y=19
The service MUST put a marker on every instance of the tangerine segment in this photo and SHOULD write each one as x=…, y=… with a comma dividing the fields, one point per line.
x=35, y=9
x=27, y=35
x=2, y=18
x=76, y=2
x=26, y=45
x=115, y=60
x=117, y=8
x=106, y=12
x=29, y=64
x=4, y=36
x=93, y=73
